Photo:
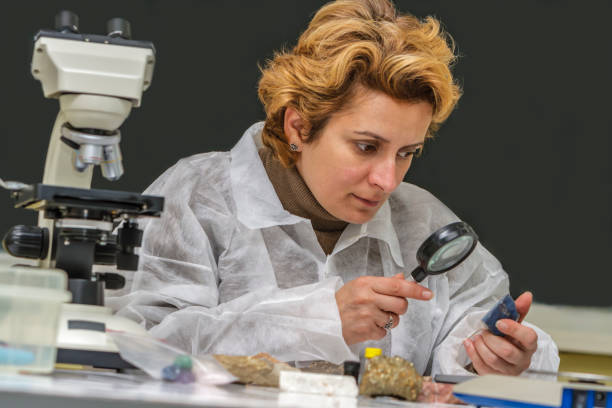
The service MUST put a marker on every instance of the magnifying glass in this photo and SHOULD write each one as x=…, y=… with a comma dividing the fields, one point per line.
x=445, y=249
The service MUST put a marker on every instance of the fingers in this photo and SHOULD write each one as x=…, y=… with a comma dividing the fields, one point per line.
x=362, y=330
x=523, y=303
x=389, y=316
x=364, y=323
x=491, y=358
x=477, y=362
x=379, y=333
x=525, y=336
x=504, y=348
x=378, y=321
x=401, y=288
x=380, y=317
x=396, y=320
x=507, y=355
x=395, y=304
x=365, y=304
x=487, y=361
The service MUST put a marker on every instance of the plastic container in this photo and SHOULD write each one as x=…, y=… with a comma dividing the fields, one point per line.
x=368, y=353
x=30, y=304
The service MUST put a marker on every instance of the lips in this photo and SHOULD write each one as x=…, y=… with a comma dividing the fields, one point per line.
x=369, y=203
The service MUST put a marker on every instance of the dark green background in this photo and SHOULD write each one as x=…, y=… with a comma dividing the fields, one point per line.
x=525, y=158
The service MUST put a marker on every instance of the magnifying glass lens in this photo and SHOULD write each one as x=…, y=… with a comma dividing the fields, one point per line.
x=450, y=253
x=444, y=249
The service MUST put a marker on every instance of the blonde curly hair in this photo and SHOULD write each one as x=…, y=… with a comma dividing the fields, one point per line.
x=356, y=42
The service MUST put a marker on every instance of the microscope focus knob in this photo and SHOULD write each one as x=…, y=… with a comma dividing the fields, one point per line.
x=105, y=254
x=129, y=237
x=112, y=281
x=25, y=241
x=67, y=21
x=127, y=262
x=119, y=27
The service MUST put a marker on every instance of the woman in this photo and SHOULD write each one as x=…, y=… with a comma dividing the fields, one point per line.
x=296, y=241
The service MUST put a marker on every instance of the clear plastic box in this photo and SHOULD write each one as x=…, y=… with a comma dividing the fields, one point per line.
x=30, y=305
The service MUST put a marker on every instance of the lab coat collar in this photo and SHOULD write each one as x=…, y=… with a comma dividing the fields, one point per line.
x=379, y=227
x=258, y=206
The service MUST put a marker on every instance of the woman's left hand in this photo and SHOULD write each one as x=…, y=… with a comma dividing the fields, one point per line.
x=510, y=355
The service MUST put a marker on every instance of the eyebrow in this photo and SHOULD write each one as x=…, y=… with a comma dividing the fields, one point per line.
x=378, y=137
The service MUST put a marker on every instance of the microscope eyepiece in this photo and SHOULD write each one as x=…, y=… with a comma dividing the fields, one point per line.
x=67, y=21
x=119, y=27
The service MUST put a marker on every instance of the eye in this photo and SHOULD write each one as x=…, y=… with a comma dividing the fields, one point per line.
x=366, y=147
x=407, y=154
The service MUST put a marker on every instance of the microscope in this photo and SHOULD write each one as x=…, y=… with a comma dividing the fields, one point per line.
x=97, y=80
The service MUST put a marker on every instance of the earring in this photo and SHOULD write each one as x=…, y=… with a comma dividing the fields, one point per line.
x=293, y=147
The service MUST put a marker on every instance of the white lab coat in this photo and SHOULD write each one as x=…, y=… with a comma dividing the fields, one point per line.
x=227, y=270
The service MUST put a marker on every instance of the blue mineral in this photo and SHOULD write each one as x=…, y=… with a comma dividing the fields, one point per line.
x=504, y=309
x=171, y=373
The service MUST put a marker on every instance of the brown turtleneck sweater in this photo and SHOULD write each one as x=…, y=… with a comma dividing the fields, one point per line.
x=296, y=197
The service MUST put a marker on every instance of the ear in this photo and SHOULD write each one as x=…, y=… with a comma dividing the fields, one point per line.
x=293, y=126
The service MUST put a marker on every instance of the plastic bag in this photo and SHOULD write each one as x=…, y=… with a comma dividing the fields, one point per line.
x=165, y=362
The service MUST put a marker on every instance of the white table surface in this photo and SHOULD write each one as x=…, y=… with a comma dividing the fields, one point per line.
x=89, y=390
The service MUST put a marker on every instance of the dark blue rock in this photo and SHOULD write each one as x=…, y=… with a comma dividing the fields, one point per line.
x=504, y=309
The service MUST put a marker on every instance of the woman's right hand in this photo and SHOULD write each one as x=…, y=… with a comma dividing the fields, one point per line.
x=366, y=303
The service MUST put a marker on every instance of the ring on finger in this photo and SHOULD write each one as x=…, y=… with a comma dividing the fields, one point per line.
x=389, y=323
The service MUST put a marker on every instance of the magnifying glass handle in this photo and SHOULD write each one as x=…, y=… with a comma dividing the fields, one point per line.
x=419, y=274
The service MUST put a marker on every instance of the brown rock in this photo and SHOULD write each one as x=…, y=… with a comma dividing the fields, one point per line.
x=391, y=376
x=260, y=369
x=324, y=367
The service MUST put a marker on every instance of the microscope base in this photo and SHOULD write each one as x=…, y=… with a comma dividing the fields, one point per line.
x=82, y=337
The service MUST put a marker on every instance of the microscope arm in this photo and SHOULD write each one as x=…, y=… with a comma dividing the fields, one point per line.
x=59, y=167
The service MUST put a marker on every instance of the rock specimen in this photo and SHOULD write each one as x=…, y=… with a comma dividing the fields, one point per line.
x=260, y=369
x=390, y=376
x=324, y=367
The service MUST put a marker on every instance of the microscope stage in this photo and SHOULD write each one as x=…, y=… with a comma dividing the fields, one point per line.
x=56, y=199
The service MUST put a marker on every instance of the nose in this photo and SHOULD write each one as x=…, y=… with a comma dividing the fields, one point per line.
x=384, y=175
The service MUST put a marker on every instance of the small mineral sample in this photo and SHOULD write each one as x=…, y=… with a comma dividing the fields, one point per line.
x=504, y=309
x=390, y=376
x=179, y=371
x=260, y=369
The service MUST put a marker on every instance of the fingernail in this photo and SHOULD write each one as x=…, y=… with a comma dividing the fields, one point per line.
x=501, y=325
x=427, y=294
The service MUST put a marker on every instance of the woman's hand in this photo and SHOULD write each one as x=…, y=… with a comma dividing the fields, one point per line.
x=510, y=355
x=366, y=303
